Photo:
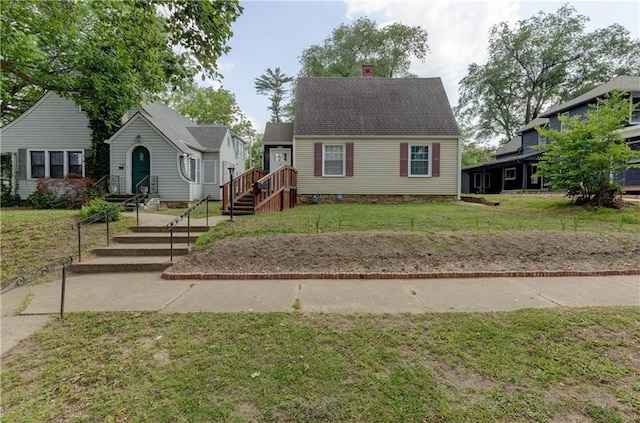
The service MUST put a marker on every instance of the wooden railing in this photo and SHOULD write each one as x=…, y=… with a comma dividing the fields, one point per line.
x=276, y=191
x=242, y=185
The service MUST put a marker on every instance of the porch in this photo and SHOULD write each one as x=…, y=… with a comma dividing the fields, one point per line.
x=257, y=191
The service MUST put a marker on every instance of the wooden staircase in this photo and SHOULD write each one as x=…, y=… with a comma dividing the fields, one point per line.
x=256, y=192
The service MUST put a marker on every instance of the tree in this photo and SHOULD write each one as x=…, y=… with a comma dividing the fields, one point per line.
x=208, y=105
x=541, y=61
x=108, y=55
x=389, y=49
x=272, y=83
x=583, y=158
x=255, y=153
x=475, y=153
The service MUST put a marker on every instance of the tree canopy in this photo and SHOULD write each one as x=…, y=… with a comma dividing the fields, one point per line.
x=273, y=83
x=108, y=55
x=588, y=151
x=541, y=61
x=389, y=49
x=209, y=105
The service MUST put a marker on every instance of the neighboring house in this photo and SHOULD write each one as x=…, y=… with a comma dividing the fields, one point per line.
x=171, y=156
x=51, y=139
x=378, y=136
x=157, y=150
x=515, y=164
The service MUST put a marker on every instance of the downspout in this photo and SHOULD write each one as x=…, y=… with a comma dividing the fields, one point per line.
x=459, y=173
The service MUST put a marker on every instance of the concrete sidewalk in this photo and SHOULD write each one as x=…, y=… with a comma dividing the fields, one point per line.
x=149, y=292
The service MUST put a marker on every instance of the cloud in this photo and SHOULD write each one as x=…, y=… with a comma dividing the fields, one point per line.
x=458, y=31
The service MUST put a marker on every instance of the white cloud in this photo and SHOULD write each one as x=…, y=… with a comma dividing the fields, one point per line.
x=458, y=31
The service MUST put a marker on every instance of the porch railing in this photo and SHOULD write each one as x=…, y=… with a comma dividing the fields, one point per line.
x=149, y=184
x=101, y=185
x=242, y=185
x=276, y=191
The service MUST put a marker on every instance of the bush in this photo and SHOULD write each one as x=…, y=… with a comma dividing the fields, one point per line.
x=96, y=206
x=61, y=193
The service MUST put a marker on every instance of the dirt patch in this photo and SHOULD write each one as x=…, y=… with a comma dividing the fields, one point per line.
x=416, y=252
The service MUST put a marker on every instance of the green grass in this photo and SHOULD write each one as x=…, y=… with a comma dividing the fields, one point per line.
x=515, y=213
x=522, y=366
x=32, y=238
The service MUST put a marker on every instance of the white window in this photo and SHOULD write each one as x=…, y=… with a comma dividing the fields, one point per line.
x=510, y=174
x=193, y=169
x=635, y=110
x=542, y=140
x=419, y=163
x=210, y=171
x=55, y=164
x=333, y=160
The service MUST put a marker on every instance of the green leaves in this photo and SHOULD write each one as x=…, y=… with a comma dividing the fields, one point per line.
x=389, y=49
x=583, y=158
x=272, y=83
x=541, y=61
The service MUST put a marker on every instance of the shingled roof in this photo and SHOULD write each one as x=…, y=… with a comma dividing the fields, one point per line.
x=373, y=107
x=278, y=133
x=209, y=136
x=619, y=83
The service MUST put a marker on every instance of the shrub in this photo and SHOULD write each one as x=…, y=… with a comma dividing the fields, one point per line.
x=96, y=206
x=61, y=193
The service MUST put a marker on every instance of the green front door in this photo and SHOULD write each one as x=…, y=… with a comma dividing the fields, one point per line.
x=140, y=168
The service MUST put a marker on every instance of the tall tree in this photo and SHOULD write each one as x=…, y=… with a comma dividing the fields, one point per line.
x=208, y=105
x=582, y=158
x=109, y=55
x=272, y=83
x=389, y=49
x=540, y=62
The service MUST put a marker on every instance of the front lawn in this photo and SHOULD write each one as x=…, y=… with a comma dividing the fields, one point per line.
x=522, y=366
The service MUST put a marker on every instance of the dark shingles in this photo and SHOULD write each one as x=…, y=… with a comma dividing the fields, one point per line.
x=209, y=136
x=513, y=146
x=373, y=106
x=278, y=133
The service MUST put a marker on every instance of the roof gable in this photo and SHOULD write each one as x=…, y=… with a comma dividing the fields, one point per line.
x=278, y=133
x=619, y=83
x=209, y=136
x=373, y=107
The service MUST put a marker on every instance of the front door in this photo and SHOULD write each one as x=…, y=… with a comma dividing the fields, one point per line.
x=279, y=157
x=140, y=168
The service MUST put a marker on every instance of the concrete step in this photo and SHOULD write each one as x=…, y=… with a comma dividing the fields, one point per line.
x=157, y=238
x=121, y=264
x=138, y=250
x=163, y=229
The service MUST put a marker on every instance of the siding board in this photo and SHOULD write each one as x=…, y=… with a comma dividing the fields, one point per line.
x=377, y=169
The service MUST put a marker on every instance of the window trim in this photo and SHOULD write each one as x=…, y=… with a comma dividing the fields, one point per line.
x=487, y=177
x=344, y=160
x=631, y=111
x=215, y=172
x=429, y=160
x=509, y=170
x=47, y=162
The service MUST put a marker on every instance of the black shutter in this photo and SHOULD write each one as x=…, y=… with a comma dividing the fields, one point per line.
x=22, y=164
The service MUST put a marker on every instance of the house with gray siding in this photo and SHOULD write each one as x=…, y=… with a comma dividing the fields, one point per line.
x=157, y=150
x=515, y=164
x=373, y=136
x=51, y=139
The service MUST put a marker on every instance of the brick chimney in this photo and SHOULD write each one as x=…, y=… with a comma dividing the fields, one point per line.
x=367, y=70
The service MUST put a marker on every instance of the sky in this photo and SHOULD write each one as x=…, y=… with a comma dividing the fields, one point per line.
x=272, y=34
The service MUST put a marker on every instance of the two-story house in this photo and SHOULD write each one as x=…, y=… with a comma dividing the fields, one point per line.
x=514, y=167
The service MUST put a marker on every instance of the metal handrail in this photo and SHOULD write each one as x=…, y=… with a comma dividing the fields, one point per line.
x=105, y=214
x=101, y=185
x=139, y=184
x=42, y=271
x=187, y=213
